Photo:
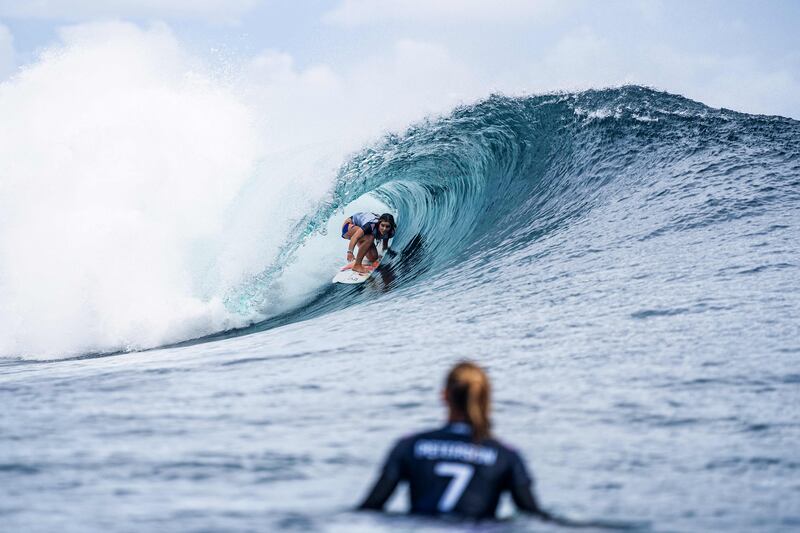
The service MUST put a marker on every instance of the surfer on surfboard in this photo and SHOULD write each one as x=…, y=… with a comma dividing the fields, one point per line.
x=362, y=230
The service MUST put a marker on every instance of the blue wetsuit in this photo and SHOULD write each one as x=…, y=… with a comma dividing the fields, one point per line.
x=449, y=474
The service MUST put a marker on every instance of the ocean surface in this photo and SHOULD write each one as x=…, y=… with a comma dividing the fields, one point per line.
x=624, y=262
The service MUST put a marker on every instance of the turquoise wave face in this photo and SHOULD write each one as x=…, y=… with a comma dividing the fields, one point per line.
x=491, y=179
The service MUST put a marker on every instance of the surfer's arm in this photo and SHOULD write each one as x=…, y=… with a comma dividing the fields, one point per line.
x=391, y=474
x=380, y=492
x=357, y=234
x=520, y=484
x=526, y=502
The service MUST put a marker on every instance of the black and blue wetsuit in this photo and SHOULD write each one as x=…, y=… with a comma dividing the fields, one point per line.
x=449, y=474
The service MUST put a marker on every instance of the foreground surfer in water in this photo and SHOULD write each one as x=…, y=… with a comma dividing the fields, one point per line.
x=459, y=469
x=362, y=230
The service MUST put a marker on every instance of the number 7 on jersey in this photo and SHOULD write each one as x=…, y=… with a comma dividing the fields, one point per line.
x=461, y=475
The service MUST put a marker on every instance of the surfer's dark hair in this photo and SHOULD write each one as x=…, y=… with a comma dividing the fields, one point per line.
x=387, y=217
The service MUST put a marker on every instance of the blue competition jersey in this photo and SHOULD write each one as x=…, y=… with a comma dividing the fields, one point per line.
x=448, y=473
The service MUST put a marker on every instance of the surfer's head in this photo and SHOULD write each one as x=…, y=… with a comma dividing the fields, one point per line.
x=386, y=225
x=468, y=396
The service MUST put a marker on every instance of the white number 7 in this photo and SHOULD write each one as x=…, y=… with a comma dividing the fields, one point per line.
x=461, y=475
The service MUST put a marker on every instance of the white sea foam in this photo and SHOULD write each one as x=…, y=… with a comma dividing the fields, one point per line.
x=136, y=190
x=119, y=161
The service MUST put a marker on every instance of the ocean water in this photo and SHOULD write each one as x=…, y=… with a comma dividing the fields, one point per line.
x=624, y=262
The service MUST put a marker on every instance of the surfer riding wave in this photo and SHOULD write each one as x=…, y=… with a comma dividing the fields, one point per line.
x=362, y=230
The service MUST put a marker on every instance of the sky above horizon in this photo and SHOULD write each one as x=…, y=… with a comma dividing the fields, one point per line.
x=434, y=54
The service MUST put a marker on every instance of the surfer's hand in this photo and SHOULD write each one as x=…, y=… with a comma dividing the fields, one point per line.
x=349, y=254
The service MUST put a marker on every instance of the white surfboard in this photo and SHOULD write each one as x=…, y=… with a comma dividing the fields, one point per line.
x=349, y=276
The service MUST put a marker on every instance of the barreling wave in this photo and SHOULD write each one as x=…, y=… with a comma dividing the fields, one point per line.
x=490, y=178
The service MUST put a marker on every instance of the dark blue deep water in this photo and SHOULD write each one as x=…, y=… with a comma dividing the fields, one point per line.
x=624, y=262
